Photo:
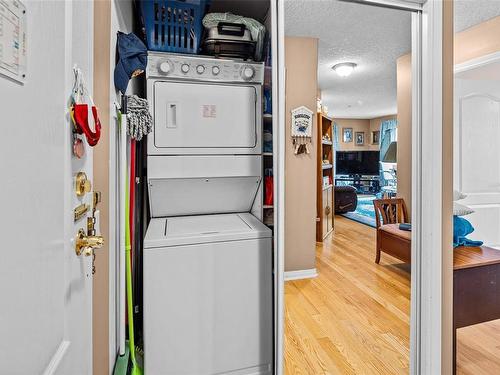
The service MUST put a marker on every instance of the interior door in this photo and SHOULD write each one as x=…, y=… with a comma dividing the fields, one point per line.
x=45, y=318
x=477, y=151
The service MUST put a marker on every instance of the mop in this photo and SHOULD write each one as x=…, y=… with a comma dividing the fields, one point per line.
x=136, y=370
x=139, y=124
x=122, y=361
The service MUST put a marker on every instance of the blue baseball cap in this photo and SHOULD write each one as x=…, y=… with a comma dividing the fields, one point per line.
x=132, y=59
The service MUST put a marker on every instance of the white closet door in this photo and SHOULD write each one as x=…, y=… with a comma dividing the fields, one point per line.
x=477, y=154
x=46, y=288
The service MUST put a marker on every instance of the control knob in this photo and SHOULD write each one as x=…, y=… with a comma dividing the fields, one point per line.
x=248, y=72
x=200, y=69
x=215, y=70
x=165, y=67
x=185, y=68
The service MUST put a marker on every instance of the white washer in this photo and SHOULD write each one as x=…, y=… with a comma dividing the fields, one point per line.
x=208, y=270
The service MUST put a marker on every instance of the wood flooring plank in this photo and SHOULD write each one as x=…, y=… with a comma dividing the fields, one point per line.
x=354, y=317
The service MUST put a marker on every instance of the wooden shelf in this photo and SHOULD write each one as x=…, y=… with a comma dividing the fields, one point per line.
x=324, y=117
x=325, y=198
x=268, y=160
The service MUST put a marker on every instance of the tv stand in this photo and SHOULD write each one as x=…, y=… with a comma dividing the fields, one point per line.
x=362, y=184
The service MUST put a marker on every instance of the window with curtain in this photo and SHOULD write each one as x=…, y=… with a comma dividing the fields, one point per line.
x=335, y=143
x=388, y=134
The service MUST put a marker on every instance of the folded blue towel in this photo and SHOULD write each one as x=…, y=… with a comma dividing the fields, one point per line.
x=461, y=228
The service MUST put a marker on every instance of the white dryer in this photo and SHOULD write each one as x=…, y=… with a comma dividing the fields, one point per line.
x=208, y=273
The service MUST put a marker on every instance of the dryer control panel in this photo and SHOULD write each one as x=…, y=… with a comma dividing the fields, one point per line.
x=200, y=68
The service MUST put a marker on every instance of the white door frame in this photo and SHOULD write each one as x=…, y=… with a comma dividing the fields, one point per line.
x=426, y=342
x=279, y=118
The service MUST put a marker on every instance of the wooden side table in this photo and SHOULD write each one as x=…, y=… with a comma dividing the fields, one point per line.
x=476, y=288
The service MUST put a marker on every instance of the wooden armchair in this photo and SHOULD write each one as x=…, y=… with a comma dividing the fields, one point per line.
x=390, y=239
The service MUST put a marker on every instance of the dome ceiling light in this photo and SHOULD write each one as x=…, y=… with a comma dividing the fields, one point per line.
x=344, y=69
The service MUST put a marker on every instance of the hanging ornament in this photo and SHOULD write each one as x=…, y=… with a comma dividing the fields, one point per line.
x=79, y=110
x=302, y=123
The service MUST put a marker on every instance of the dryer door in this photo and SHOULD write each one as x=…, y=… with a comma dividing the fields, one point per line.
x=204, y=118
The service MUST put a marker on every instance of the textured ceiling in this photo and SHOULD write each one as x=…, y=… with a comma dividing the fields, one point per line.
x=471, y=12
x=373, y=38
x=369, y=36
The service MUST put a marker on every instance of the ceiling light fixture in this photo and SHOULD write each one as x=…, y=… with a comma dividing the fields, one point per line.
x=344, y=69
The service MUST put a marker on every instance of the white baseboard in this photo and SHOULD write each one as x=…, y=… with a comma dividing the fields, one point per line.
x=301, y=274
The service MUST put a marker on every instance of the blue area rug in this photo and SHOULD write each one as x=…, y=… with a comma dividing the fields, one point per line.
x=365, y=213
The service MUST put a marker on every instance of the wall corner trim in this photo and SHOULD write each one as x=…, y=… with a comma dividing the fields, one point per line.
x=310, y=273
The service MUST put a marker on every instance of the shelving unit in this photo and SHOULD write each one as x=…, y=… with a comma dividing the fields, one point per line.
x=267, y=163
x=325, y=178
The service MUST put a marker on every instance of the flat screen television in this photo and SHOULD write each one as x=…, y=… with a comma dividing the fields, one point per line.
x=357, y=162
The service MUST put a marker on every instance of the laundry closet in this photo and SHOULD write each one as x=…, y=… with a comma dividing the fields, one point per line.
x=200, y=211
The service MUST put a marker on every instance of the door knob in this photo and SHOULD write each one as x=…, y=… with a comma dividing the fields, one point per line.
x=86, y=244
x=82, y=184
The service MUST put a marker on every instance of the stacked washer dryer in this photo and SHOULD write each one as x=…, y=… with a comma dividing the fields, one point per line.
x=207, y=257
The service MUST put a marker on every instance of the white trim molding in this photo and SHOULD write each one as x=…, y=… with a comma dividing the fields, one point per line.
x=57, y=358
x=411, y=5
x=278, y=21
x=301, y=274
x=477, y=62
x=427, y=284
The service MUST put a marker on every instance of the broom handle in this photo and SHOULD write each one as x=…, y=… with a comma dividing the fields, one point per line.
x=122, y=250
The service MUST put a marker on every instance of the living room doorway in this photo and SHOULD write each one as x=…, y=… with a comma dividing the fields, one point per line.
x=431, y=185
x=354, y=76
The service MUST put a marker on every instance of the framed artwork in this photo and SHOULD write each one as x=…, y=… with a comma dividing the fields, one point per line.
x=376, y=137
x=347, y=135
x=360, y=138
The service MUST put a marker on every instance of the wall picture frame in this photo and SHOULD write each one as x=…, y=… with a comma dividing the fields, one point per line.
x=359, y=138
x=375, y=137
x=347, y=135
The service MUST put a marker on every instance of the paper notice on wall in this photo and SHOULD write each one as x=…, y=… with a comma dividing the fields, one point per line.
x=209, y=111
x=13, y=39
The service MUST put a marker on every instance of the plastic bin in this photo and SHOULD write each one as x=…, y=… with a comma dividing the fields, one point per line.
x=173, y=25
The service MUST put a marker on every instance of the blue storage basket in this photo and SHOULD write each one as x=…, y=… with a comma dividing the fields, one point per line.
x=173, y=25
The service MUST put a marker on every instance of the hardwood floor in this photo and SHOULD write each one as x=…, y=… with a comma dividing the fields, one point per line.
x=478, y=349
x=354, y=317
